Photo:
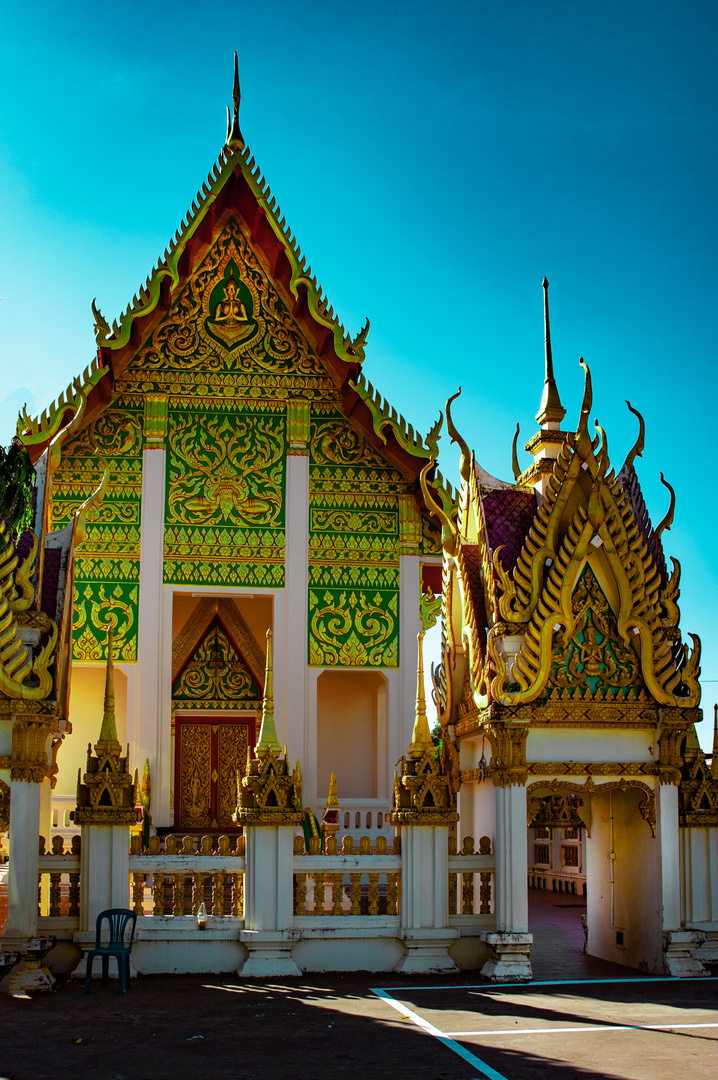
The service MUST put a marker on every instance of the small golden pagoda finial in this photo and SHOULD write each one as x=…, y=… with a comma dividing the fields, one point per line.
x=108, y=732
x=234, y=140
x=421, y=740
x=330, y=817
x=551, y=411
x=268, y=743
x=714, y=759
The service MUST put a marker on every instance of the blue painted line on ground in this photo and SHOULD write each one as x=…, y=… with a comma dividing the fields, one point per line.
x=555, y=982
x=448, y=1042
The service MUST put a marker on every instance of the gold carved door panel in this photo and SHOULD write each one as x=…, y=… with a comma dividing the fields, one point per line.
x=209, y=754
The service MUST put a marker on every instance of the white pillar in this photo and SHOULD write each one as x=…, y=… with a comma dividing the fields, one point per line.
x=410, y=624
x=268, y=902
x=510, y=944
x=147, y=735
x=512, y=910
x=104, y=871
x=292, y=714
x=23, y=862
x=425, y=927
x=679, y=944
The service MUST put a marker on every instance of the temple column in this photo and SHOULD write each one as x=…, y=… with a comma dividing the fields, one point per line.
x=23, y=862
x=269, y=810
x=148, y=735
x=105, y=811
x=679, y=944
x=423, y=811
x=510, y=944
x=28, y=769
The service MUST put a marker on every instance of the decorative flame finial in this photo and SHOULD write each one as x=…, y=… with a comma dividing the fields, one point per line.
x=714, y=759
x=108, y=732
x=551, y=411
x=421, y=740
x=268, y=743
x=234, y=140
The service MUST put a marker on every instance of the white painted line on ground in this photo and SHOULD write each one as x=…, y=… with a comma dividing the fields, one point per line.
x=447, y=1040
x=571, y=1030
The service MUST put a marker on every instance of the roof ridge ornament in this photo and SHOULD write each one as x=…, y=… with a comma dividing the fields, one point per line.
x=637, y=449
x=234, y=140
x=551, y=411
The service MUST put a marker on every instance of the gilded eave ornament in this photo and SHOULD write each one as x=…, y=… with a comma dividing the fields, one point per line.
x=585, y=518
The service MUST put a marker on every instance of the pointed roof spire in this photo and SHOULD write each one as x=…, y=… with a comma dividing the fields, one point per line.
x=551, y=411
x=714, y=759
x=108, y=740
x=234, y=140
x=268, y=743
x=421, y=740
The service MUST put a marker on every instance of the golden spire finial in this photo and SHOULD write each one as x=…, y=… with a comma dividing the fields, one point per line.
x=714, y=759
x=108, y=732
x=551, y=411
x=234, y=140
x=332, y=799
x=421, y=740
x=268, y=743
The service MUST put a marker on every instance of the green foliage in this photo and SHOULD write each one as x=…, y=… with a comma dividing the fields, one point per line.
x=16, y=484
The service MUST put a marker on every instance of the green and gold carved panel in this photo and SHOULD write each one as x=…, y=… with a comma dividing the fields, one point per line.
x=355, y=542
x=107, y=565
x=224, y=521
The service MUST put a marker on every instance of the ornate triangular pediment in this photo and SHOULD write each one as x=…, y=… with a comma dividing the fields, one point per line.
x=216, y=675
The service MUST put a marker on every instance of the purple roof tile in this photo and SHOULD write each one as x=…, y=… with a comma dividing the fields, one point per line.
x=508, y=514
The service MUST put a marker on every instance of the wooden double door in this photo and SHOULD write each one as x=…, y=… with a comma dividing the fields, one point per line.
x=209, y=753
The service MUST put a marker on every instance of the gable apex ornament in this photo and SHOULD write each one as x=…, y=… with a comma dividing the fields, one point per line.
x=234, y=140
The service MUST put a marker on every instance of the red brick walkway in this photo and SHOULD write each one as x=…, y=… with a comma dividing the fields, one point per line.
x=557, y=951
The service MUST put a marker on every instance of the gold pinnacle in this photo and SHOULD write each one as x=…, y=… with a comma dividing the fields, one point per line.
x=108, y=732
x=268, y=743
x=421, y=740
x=551, y=410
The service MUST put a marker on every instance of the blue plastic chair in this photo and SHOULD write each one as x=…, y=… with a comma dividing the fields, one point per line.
x=117, y=946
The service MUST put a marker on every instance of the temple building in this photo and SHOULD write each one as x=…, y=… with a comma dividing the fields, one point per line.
x=237, y=535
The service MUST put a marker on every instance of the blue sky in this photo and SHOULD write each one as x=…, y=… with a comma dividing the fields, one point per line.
x=434, y=161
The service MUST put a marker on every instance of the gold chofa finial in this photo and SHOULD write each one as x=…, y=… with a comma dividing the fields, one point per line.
x=714, y=759
x=108, y=732
x=234, y=140
x=551, y=411
x=268, y=743
x=421, y=740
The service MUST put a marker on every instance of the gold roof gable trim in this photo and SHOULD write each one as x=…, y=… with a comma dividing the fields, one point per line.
x=586, y=515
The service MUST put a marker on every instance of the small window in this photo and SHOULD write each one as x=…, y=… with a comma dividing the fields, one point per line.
x=346, y=819
x=379, y=820
x=54, y=819
x=368, y=820
x=357, y=820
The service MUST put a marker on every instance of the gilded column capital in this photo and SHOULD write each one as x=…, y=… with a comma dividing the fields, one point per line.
x=508, y=762
x=28, y=754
